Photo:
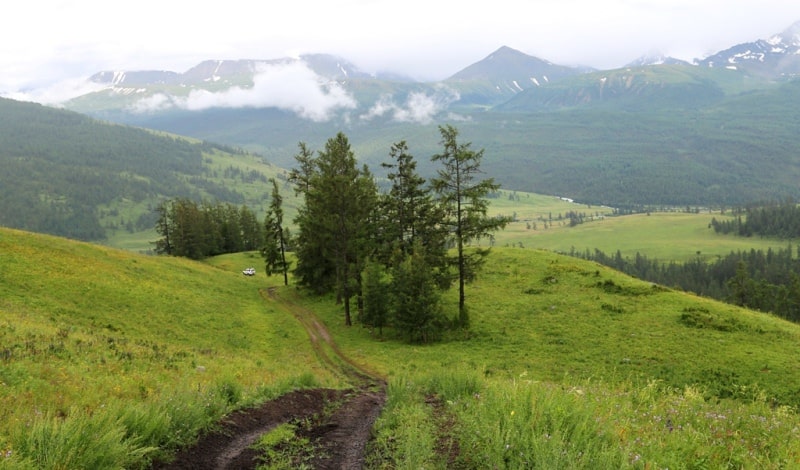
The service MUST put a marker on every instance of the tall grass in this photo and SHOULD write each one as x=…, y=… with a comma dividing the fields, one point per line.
x=533, y=425
x=587, y=358
x=404, y=434
x=522, y=423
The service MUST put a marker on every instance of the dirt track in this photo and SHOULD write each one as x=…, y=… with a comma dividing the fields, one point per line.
x=338, y=438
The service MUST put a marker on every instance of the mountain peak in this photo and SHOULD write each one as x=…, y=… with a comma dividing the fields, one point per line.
x=505, y=52
x=778, y=56
x=789, y=36
x=656, y=58
x=506, y=63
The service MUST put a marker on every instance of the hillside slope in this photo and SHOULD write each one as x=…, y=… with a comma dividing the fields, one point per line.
x=67, y=174
x=549, y=316
x=96, y=341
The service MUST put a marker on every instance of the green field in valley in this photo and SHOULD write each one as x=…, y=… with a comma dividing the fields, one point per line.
x=668, y=236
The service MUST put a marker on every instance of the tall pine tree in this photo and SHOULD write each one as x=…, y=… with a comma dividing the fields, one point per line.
x=464, y=197
x=410, y=215
x=275, y=237
x=334, y=224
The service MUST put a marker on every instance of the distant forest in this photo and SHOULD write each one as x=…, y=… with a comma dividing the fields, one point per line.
x=59, y=166
x=767, y=281
x=778, y=220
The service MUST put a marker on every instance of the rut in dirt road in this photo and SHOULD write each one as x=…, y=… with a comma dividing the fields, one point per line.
x=338, y=437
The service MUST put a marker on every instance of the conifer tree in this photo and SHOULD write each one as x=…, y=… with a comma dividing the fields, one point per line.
x=416, y=302
x=463, y=195
x=409, y=214
x=274, y=250
x=333, y=225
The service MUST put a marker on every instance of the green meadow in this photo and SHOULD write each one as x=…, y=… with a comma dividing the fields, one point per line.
x=667, y=236
x=109, y=359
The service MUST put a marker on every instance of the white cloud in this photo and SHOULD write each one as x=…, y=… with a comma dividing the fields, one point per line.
x=56, y=93
x=420, y=107
x=157, y=102
x=291, y=86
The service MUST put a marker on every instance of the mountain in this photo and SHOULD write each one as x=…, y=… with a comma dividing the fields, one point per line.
x=660, y=131
x=135, y=78
x=68, y=174
x=230, y=72
x=644, y=87
x=776, y=57
x=656, y=59
x=503, y=74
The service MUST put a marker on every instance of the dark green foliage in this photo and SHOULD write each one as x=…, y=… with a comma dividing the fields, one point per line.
x=334, y=224
x=779, y=220
x=196, y=231
x=408, y=218
x=275, y=237
x=416, y=300
x=377, y=297
x=344, y=221
x=59, y=166
x=313, y=269
x=767, y=281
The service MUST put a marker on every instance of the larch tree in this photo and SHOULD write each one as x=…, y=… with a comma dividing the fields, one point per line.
x=410, y=218
x=275, y=236
x=463, y=196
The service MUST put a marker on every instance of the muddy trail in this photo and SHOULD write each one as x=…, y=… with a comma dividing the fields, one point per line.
x=336, y=423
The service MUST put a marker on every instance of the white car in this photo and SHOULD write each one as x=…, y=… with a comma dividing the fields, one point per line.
x=249, y=272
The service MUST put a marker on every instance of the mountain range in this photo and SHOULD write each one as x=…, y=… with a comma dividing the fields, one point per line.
x=342, y=87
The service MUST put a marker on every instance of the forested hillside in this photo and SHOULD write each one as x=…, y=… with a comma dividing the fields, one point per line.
x=59, y=167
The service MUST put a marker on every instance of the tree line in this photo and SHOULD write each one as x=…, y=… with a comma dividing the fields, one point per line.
x=199, y=230
x=768, y=281
x=777, y=219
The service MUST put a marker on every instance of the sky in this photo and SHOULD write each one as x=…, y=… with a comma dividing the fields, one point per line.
x=44, y=43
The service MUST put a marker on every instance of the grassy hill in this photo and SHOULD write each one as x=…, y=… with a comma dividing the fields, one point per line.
x=572, y=365
x=567, y=362
x=105, y=352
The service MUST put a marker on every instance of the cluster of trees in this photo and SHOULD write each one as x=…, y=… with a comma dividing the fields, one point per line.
x=767, y=281
x=198, y=230
x=394, y=252
x=389, y=251
x=781, y=220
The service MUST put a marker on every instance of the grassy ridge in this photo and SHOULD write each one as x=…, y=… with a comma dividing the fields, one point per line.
x=156, y=348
